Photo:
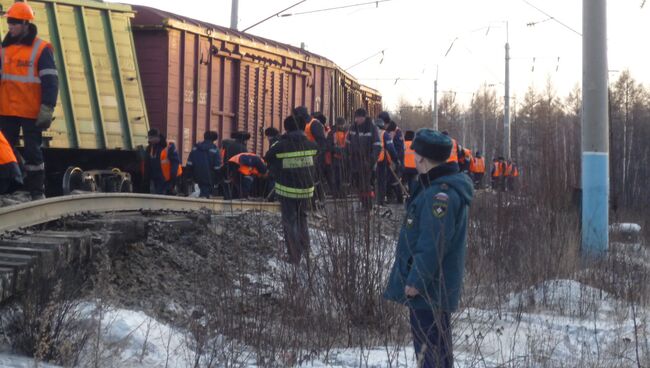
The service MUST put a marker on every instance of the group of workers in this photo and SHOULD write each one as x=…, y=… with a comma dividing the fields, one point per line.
x=505, y=174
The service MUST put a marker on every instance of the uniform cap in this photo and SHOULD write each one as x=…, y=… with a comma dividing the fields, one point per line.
x=360, y=113
x=432, y=144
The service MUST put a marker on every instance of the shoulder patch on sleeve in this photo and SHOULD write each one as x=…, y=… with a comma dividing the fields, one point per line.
x=439, y=208
x=444, y=186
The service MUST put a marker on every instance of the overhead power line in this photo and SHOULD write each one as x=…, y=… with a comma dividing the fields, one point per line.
x=368, y=58
x=274, y=15
x=335, y=8
x=552, y=18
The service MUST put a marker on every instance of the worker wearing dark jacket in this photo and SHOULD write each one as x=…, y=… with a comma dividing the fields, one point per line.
x=336, y=148
x=293, y=161
x=29, y=87
x=163, y=164
x=363, y=146
x=204, y=163
x=244, y=168
x=427, y=275
x=386, y=162
x=315, y=132
x=230, y=148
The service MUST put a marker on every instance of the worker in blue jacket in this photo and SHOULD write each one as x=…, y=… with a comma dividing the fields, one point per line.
x=427, y=275
x=204, y=163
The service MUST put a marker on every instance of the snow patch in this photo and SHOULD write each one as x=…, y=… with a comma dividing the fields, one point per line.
x=625, y=228
x=563, y=297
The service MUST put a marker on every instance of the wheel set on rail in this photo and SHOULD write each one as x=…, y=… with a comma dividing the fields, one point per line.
x=105, y=181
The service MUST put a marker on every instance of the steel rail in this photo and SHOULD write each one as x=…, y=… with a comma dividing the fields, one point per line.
x=50, y=209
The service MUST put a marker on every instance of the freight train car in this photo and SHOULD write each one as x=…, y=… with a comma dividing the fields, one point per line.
x=199, y=76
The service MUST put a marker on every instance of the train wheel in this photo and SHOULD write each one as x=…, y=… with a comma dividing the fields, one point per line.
x=126, y=186
x=72, y=180
x=76, y=179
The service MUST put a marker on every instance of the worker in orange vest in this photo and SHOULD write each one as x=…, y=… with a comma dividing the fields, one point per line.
x=410, y=172
x=29, y=88
x=498, y=174
x=477, y=169
x=163, y=164
x=336, y=149
x=245, y=168
x=457, y=152
x=511, y=175
x=10, y=176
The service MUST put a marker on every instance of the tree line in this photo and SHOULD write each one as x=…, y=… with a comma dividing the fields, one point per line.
x=546, y=137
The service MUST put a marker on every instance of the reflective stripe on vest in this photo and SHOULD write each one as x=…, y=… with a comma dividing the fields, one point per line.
x=297, y=159
x=20, y=85
x=166, y=166
x=453, y=156
x=289, y=192
x=409, y=155
x=383, y=155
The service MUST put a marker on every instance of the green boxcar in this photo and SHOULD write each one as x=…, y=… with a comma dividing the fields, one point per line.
x=101, y=105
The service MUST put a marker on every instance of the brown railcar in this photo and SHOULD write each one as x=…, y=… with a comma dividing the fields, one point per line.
x=198, y=76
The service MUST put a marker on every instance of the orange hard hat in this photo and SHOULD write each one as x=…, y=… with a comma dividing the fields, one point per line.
x=21, y=11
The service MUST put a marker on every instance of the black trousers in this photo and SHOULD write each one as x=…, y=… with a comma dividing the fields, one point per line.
x=362, y=179
x=296, y=229
x=432, y=338
x=32, y=154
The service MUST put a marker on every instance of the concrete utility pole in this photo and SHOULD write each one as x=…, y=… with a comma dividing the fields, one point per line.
x=234, y=14
x=506, y=102
x=595, y=129
x=435, y=101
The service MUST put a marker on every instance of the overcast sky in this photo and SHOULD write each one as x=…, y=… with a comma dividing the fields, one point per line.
x=416, y=34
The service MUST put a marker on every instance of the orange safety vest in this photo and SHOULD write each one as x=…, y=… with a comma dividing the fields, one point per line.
x=498, y=170
x=245, y=169
x=20, y=87
x=508, y=170
x=383, y=155
x=308, y=133
x=515, y=171
x=339, y=142
x=467, y=154
x=7, y=155
x=166, y=165
x=453, y=156
x=409, y=155
x=477, y=165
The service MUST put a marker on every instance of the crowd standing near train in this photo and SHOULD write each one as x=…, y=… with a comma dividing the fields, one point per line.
x=372, y=158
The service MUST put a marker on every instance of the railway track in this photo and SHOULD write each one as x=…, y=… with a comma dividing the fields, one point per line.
x=32, y=254
x=39, y=212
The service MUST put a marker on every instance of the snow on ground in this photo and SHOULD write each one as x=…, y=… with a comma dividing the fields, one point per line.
x=625, y=228
x=557, y=323
x=13, y=361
